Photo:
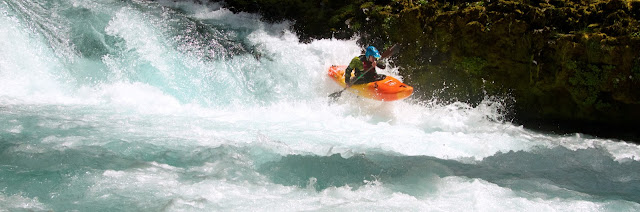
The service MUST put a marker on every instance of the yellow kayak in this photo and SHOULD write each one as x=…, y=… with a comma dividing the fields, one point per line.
x=388, y=89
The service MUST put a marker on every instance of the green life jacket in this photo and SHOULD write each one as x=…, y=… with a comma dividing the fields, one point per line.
x=359, y=65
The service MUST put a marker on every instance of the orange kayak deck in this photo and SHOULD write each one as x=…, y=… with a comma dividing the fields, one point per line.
x=388, y=89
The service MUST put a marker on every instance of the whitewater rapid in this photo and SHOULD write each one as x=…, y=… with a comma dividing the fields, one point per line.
x=150, y=106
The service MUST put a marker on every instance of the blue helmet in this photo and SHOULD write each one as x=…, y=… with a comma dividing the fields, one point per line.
x=372, y=51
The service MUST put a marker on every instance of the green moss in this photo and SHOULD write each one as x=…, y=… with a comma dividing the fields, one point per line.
x=586, y=84
x=571, y=65
x=472, y=65
x=591, y=76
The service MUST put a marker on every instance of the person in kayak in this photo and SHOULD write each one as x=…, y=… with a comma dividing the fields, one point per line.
x=362, y=63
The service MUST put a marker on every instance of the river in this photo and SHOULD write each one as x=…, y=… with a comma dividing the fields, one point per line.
x=161, y=106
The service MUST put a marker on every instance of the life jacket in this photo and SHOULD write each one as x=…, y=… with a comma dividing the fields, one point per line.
x=360, y=64
x=366, y=64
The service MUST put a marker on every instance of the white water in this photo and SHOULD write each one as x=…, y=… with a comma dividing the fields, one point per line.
x=129, y=106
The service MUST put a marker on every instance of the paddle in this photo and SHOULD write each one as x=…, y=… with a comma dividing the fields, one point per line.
x=390, y=51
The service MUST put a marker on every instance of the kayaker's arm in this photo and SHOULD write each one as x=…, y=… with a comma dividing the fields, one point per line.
x=356, y=65
x=347, y=76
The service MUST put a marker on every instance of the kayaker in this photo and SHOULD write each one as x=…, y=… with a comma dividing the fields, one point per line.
x=362, y=63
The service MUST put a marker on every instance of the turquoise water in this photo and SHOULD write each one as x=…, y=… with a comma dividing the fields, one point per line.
x=162, y=106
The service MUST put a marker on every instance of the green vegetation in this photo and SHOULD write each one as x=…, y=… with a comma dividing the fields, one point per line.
x=472, y=65
x=586, y=84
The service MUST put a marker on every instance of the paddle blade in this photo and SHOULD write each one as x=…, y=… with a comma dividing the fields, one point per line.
x=336, y=95
x=390, y=51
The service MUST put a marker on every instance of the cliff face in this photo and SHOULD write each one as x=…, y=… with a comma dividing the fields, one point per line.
x=565, y=63
x=573, y=64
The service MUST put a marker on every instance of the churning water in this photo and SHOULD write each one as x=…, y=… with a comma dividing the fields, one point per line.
x=150, y=106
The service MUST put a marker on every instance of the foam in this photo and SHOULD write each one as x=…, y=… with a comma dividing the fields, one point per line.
x=20, y=203
x=446, y=194
x=27, y=65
